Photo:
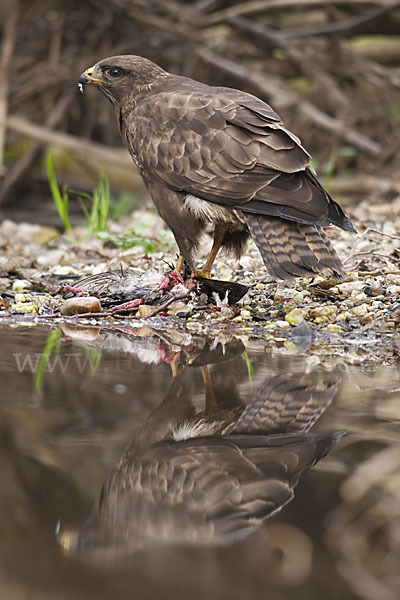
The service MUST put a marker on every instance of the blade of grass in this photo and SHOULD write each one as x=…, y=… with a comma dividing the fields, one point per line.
x=60, y=199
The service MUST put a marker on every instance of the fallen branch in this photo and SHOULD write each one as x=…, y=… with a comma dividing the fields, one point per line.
x=101, y=157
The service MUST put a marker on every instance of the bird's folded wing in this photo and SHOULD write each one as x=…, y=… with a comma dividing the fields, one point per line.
x=229, y=148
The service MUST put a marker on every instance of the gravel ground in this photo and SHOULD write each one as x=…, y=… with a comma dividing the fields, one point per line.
x=355, y=318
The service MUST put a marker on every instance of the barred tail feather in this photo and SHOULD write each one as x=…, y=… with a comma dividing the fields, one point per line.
x=290, y=249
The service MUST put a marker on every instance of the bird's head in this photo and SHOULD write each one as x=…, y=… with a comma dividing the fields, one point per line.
x=120, y=76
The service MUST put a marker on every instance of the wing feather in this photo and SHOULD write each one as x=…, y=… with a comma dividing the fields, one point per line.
x=230, y=148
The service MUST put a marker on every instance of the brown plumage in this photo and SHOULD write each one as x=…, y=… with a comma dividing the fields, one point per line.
x=215, y=154
x=185, y=480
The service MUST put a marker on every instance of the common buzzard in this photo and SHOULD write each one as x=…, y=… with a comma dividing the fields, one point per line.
x=218, y=155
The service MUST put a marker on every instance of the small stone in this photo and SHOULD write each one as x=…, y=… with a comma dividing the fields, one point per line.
x=25, y=307
x=76, y=306
x=50, y=258
x=334, y=327
x=67, y=270
x=295, y=316
x=246, y=314
x=321, y=320
x=350, y=286
x=290, y=346
x=285, y=294
x=178, y=308
x=361, y=310
x=246, y=262
x=394, y=278
x=343, y=316
x=21, y=298
x=226, y=312
x=323, y=311
x=20, y=284
x=282, y=324
x=145, y=310
x=393, y=289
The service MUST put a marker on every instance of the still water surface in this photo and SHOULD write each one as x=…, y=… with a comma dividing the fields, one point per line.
x=137, y=467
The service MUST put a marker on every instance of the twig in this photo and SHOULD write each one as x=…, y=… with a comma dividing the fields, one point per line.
x=91, y=153
x=364, y=234
x=345, y=26
x=7, y=48
x=282, y=96
x=170, y=301
x=259, y=6
x=389, y=235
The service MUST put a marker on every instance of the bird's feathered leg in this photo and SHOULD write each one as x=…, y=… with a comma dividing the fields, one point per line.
x=219, y=234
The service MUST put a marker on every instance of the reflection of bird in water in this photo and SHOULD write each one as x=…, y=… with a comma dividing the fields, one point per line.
x=206, y=488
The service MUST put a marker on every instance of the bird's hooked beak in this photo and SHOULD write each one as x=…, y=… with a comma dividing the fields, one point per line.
x=88, y=77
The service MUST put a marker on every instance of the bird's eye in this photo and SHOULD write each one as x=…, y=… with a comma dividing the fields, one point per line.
x=114, y=72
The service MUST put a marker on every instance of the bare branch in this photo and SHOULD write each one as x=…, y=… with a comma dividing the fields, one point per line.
x=283, y=97
x=259, y=6
x=345, y=26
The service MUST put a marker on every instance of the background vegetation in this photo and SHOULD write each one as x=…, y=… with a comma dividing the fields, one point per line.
x=330, y=68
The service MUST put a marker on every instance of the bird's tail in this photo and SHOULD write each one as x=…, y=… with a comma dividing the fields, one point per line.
x=290, y=249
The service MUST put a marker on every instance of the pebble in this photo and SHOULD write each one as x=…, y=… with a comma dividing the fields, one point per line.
x=178, y=308
x=21, y=298
x=322, y=319
x=295, y=316
x=145, y=310
x=74, y=306
x=334, y=327
x=285, y=294
x=343, y=316
x=393, y=289
x=25, y=307
x=351, y=286
x=21, y=284
x=50, y=258
x=361, y=310
x=323, y=311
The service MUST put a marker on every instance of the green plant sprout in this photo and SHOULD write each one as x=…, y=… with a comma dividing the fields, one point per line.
x=131, y=239
x=60, y=198
x=97, y=215
x=329, y=167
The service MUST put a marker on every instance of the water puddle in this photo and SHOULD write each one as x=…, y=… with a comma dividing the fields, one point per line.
x=147, y=464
